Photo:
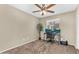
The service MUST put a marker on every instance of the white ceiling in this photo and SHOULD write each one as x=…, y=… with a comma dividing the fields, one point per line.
x=58, y=8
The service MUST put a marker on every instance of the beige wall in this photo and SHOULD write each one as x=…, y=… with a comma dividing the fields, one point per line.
x=67, y=25
x=16, y=27
x=77, y=28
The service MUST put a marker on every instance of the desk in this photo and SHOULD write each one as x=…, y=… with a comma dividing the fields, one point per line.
x=51, y=34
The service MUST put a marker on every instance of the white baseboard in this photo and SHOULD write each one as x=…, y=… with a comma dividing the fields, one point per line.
x=18, y=45
x=77, y=47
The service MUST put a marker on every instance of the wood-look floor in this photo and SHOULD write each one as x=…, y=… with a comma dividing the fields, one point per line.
x=42, y=47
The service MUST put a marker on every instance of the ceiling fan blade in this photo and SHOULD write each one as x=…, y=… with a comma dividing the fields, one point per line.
x=50, y=11
x=38, y=6
x=36, y=11
x=49, y=6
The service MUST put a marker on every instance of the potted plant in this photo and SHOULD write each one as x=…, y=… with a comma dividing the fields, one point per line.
x=39, y=28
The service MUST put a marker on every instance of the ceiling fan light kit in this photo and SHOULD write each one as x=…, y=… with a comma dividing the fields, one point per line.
x=43, y=12
x=44, y=8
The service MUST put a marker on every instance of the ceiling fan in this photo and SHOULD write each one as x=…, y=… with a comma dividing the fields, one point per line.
x=44, y=8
